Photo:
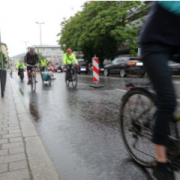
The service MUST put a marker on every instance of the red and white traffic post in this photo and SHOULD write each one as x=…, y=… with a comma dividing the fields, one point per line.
x=96, y=70
x=95, y=62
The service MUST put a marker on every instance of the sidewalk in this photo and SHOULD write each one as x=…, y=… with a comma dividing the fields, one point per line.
x=22, y=154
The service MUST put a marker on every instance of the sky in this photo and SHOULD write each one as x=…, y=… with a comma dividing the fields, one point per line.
x=18, y=21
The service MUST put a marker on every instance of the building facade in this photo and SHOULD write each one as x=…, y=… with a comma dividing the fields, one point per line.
x=51, y=52
x=4, y=50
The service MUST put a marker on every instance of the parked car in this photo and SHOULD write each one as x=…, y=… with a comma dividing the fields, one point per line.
x=84, y=67
x=135, y=67
x=174, y=67
x=124, y=66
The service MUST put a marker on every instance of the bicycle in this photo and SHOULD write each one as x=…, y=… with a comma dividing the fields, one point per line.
x=137, y=117
x=32, y=78
x=72, y=76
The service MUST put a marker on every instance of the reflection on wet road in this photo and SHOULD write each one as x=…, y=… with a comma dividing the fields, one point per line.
x=80, y=129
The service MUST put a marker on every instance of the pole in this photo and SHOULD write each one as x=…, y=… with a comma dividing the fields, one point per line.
x=25, y=42
x=40, y=34
x=1, y=51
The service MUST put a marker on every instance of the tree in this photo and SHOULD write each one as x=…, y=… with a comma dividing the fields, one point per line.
x=4, y=60
x=101, y=27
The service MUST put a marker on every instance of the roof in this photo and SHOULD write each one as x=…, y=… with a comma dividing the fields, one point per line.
x=45, y=46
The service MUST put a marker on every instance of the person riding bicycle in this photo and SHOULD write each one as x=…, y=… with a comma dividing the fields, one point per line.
x=20, y=66
x=68, y=59
x=44, y=63
x=31, y=59
x=160, y=40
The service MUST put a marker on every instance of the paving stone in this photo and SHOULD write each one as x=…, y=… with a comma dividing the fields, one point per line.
x=12, y=145
x=11, y=135
x=11, y=131
x=11, y=158
x=18, y=139
x=3, y=152
x=3, y=141
x=11, y=128
x=16, y=150
x=17, y=165
x=15, y=175
x=3, y=168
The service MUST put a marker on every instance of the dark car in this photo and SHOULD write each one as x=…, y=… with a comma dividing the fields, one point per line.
x=124, y=66
x=117, y=66
x=174, y=67
x=135, y=67
x=83, y=67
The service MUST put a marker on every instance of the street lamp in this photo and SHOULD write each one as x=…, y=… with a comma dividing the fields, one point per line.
x=1, y=51
x=40, y=33
x=25, y=42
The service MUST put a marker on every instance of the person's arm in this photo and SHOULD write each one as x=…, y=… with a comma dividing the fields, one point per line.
x=74, y=59
x=17, y=66
x=64, y=59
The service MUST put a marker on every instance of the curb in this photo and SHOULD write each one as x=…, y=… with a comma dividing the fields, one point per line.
x=40, y=164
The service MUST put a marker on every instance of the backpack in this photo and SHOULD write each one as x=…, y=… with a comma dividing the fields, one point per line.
x=171, y=6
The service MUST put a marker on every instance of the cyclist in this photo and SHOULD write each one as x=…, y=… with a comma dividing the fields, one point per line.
x=160, y=40
x=32, y=59
x=44, y=63
x=20, y=66
x=68, y=59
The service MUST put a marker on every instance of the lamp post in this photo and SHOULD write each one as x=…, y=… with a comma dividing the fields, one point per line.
x=40, y=23
x=1, y=52
x=25, y=42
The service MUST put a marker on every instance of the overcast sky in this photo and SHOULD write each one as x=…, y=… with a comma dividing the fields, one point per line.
x=18, y=17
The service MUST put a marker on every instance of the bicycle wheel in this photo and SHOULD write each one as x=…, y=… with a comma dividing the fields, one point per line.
x=66, y=80
x=33, y=83
x=74, y=80
x=136, y=124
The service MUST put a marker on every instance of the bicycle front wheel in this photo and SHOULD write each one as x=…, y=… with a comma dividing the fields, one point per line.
x=136, y=122
x=33, y=83
x=74, y=80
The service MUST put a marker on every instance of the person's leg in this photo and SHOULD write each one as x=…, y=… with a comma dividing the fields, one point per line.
x=155, y=60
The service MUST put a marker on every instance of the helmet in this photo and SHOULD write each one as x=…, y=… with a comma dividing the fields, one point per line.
x=69, y=50
x=31, y=48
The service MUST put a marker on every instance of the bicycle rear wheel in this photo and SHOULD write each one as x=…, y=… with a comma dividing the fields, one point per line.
x=136, y=125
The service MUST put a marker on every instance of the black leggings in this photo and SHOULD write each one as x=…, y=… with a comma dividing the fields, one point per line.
x=155, y=59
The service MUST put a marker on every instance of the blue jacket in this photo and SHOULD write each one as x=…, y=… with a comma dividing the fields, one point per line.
x=161, y=27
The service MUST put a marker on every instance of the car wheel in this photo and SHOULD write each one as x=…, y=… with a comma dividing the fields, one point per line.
x=106, y=72
x=122, y=72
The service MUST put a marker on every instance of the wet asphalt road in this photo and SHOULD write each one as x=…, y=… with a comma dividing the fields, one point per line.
x=80, y=129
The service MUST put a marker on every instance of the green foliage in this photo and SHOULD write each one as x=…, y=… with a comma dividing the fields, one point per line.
x=2, y=56
x=101, y=27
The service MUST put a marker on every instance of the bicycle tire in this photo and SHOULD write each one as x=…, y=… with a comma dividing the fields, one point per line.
x=66, y=80
x=33, y=83
x=124, y=102
x=74, y=81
